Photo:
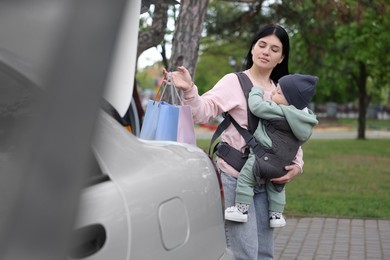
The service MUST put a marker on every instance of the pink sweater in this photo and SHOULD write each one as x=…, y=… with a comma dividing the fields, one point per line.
x=227, y=95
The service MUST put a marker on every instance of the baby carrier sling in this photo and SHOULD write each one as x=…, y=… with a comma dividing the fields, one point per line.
x=270, y=162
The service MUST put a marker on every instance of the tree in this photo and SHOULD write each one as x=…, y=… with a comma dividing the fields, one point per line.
x=187, y=35
x=344, y=43
x=238, y=16
x=150, y=36
x=186, y=39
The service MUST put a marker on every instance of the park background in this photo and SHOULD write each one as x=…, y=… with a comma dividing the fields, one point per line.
x=344, y=42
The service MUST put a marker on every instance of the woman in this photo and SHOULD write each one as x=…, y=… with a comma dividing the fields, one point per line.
x=266, y=62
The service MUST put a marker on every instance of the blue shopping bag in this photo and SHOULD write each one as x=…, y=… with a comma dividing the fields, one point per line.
x=167, y=122
x=149, y=125
x=160, y=121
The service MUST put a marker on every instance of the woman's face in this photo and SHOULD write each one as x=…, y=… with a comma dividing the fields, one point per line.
x=267, y=52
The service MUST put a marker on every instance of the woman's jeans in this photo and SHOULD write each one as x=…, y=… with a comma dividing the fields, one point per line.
x=252, y=240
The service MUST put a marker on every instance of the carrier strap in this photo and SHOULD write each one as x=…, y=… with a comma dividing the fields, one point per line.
x=231, y=155
x=246, y=86
x=249, y=139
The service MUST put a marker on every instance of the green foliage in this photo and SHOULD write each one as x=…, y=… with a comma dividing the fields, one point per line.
x=147, y=77
x=227, y=20
x=334, y=39
x=213, y=64
x=144, y=80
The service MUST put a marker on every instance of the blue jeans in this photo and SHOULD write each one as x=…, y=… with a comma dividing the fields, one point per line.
x=252, y=240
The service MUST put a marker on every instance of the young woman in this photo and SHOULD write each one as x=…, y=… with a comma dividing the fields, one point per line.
x=266, y=62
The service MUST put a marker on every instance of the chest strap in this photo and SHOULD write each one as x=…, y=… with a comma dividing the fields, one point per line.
x=232, y=156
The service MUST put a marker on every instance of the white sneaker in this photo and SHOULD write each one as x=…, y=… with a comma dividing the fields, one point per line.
x=233, y=214
x=276, y=219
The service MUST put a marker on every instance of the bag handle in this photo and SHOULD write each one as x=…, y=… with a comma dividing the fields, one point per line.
x=160, y=92
x=172, y=90
x=175, y=90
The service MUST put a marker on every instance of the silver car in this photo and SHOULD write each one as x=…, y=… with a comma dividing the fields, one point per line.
x=137, y=199
x=149, y=200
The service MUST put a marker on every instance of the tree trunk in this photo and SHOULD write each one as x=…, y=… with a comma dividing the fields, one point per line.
x=155, y=33
x=187, y=35
x=362, y=101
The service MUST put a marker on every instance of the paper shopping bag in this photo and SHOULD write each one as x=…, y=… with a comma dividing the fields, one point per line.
x=185, y=128
x=167, y=122
x=149, y=125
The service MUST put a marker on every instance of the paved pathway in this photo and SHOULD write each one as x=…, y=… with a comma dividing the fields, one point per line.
x=333, y=239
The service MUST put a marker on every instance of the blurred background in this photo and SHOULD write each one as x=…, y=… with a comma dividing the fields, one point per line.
x=344, y=42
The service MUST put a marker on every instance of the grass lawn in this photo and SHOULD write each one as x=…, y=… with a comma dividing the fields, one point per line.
x=342, y=178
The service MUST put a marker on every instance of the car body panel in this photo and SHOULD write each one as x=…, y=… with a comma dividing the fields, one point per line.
x=171, y=193
x=103, y=204
x=121, y=76
x=152, y=200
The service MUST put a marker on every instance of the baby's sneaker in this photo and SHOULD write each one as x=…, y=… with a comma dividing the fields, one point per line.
x=276, y=219
x=233, y=214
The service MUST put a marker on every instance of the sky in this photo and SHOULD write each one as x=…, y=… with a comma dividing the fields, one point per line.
x=149, y=57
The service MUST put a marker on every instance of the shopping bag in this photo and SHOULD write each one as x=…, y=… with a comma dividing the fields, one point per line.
x=167, y=122
x=149, y=125
x=185, y=128
x=160, y=121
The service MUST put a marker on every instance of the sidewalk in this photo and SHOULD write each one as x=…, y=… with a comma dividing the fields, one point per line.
x=333, y=239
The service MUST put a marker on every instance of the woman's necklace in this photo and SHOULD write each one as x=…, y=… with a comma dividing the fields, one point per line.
x=261, y=82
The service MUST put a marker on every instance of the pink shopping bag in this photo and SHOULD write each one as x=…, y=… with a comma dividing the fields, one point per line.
x=186, y=131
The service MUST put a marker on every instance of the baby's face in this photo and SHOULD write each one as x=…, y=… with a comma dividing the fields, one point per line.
x=278, y=97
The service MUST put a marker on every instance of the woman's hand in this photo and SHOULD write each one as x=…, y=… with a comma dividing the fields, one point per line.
x=181, y=78
x=292, y=171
